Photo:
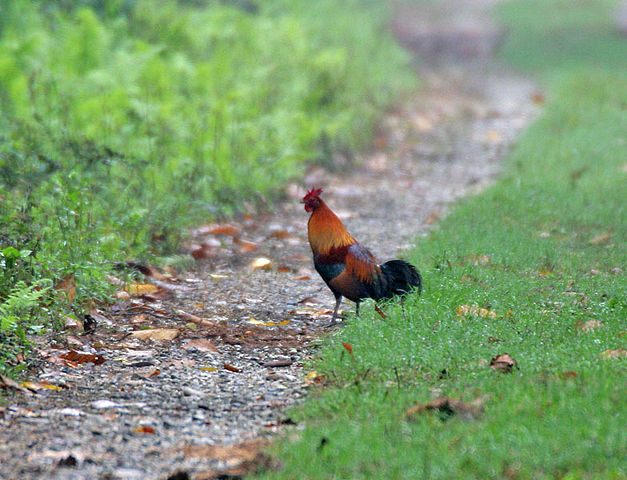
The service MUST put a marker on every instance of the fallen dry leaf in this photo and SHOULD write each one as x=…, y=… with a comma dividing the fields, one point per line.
x=203, y=250
x=145, y=429
x=568, y=374
x=237, y=460
x=245, y=246
x=473, y=310
x=599, y=239
x=6, y=382
x=449, y=407
x=82, y=357
x=254, y=321
x=141, y=288
x=156, y=334
x=231, y=368
x=303, y=277
x=589, y=326
x=208, y=369
x=614, y=354
x=261, y=263
x=349, y=348
x=538, y=98
x=494, y=136
x=67, y=285
x=503, y=363
x=433, y=217
x=193, y=318
x=283, y=268
x=201, y=344
x=40, y=386
x=223, y=229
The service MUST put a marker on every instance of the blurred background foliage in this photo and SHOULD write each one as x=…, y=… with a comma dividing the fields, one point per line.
x=124, y=121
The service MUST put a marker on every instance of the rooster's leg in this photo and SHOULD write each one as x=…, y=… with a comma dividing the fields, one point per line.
x=357, y=309
x=378, y=310
x=338, y=300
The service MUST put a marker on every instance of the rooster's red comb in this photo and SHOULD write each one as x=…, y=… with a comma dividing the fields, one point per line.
x=313, y=193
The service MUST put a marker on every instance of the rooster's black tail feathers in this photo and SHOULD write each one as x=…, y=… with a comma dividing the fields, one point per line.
x=401, y=278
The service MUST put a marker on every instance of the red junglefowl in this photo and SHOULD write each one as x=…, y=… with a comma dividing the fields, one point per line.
x=348, y=268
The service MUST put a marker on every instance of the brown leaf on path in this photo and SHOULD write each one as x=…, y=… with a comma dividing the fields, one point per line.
x=161, y=334
x=433, y=217
x=538, y=98
x=245, y=246
x=503, y=363
x=223, y=229
x=145, y=429
x=614, y=354
x=67, y=285
x=137, y=289
x=280, y=234
x=449, y=407
x=35, y=386
x=193, y=318
x=283, y=268
x=9, y=383
x=201, y=344
x=277, y=363
x=239, y=459
x=82, y=357
x=303, y=277
x=494, y=136
x=203, y=251
x=231, y=368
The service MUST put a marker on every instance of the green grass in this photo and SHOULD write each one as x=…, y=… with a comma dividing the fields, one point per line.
x=124, y=122
x=554, y=228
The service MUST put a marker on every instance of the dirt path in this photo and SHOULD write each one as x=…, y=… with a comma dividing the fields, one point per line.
x=152, y=408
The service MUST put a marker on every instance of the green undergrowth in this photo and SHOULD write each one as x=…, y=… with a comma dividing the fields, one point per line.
x=544, y=250
x=123, y=122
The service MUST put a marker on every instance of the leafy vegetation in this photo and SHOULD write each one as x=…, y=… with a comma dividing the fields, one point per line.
x=123, y=122
x=543, y=253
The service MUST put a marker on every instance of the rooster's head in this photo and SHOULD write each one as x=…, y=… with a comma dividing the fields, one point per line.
x=312, y=199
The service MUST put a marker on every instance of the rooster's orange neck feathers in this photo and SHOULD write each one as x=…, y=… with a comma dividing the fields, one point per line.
x=326, y=231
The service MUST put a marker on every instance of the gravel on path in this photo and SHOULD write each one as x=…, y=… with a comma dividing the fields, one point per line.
x=243, y=335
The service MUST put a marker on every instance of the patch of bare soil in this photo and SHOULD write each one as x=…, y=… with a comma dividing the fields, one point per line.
x=187, y=366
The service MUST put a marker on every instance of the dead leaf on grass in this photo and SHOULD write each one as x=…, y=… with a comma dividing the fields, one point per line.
x=161, y=334
x=589, y=326
x=449, y=407
x=538, y=98
x=614, y=354
x=201, y=344
x=475, y=311
x=82, y=357
x=600, y=239
x=568, y=374
x=503, y=363
x=349, y=348
x=67, y=285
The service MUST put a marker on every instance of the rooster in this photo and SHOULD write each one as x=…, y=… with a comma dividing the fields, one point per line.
x=348, y=268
